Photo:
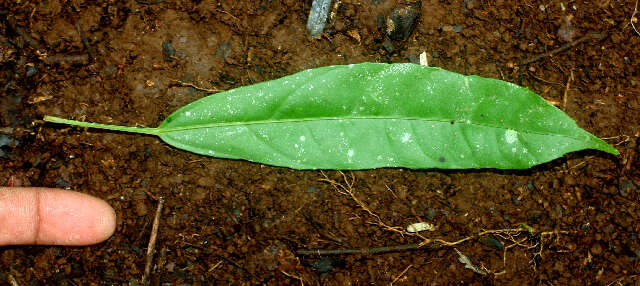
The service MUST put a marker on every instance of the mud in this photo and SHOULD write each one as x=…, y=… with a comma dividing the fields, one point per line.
x=235, y=222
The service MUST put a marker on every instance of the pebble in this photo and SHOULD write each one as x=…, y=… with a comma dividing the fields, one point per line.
x=31, y=70
x=5, y=140
x=62, y=183
x=623, y=187
x=323, y=265
x=388, y=45
x=168, y=51
x=400, y=23
x=454, y=28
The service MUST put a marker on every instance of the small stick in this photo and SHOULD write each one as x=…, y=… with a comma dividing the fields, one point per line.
x=364, y=251
x=83, y=36
x=566, y=91
x=152, y=242
x=12, y=281
x=67, y=59
x=633, y=17
x=402, y=273
x=182, y=83
x=589, y=36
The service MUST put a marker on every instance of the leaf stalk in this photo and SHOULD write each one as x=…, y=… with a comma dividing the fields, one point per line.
x=139, y=130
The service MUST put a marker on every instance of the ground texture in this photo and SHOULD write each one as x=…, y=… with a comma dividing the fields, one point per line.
x=235, y=222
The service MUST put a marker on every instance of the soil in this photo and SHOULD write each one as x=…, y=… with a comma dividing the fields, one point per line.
x=236, y=222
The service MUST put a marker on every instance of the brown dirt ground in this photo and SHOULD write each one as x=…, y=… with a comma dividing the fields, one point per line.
x=235, y=222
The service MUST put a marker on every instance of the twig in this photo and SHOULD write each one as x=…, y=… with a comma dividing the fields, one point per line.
x=12, y=281
x=152, y=242
x=363, y=251
x=589, y=36
x=566, y=91
x=83, y=36
x=633, y=17
x=401, y=274
x=619, y=280
x=215, y=266
x=67, y=59
x=182, y=83
x=294, y=277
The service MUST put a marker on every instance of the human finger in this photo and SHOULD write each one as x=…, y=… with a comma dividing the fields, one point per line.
x=53, y=217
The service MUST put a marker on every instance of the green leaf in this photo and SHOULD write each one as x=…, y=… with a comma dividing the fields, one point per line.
x=373, y=115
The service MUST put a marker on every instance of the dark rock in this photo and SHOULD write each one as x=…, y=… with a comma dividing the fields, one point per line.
x=623, y=187
x=5, y=140
x=323, y=265
x=168, y=51
x=454, y=28
x=62, y=183
x=401, y=22
x=31, y=71
x=388, y=45
x=530, y=186
x=380, y=22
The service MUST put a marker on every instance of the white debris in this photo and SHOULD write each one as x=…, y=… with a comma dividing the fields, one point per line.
x=420, y=226
x=423, y=59
x=318, y=17
x=467, y=264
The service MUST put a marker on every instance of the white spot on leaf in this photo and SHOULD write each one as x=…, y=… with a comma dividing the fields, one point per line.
x=511, y=136
x=406, y=137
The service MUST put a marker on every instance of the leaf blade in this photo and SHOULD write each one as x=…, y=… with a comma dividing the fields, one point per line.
x=339, y=100
x=378, y=115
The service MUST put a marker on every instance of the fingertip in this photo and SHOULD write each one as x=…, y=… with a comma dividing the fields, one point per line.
x=72, y=218
x=53, y=217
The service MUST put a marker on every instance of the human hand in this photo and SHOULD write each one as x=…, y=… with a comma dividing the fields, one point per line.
x=53, y=217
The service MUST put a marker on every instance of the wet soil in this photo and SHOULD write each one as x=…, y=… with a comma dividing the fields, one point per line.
x=241, y=223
